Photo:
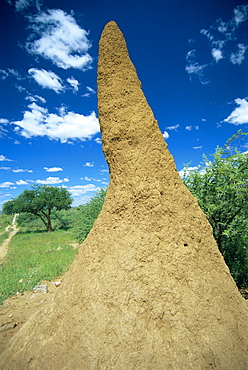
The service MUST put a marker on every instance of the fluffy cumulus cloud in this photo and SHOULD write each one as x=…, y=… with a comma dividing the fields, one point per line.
x=186, y=171
x=217, y=54
x=166, y=135
x=21, y=182
x=89, y=164
x=51, y=181
x=240, y=114
x=82, y=189
x=47, y=79
x=37, y=121
x=6, y=184
x=19, y=170
x=60, y=39
x=53, y=169
x=224, y=41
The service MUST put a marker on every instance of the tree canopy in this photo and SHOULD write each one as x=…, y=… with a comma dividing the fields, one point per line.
x=40, y=201
x=221, y=187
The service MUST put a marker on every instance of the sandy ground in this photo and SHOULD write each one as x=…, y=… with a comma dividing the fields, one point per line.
x=15, y=311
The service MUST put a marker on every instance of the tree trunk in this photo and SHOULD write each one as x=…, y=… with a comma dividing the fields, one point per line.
x=49, y=224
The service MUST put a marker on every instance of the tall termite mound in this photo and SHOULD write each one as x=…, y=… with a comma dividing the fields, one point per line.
x=148, y=288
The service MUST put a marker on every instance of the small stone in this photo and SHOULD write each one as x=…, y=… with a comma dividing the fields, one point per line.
x=57, y=283
x=11, y=315
x=40, y=289
x=21, y=281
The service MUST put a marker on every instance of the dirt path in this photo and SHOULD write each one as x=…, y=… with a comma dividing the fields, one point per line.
x=5, y=244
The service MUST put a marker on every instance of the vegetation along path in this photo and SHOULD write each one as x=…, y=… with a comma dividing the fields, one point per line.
x=5, y=244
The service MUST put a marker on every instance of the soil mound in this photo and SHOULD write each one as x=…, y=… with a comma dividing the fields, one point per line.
x=148, y=288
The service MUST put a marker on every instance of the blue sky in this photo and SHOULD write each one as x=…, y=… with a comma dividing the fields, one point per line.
x=191, y=57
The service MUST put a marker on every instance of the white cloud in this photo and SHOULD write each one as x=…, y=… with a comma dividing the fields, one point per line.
x=35, y=98
x=98, y=140
x=89, y=92
x=51, y=181
x=21, y=5
x=4, y=121
x=223, y=40
x=82, y=189
x=186, y=171
x=240, y=115
x=61, y=40
x=53, y=169
x=190, y=128
x=73, y=82
x=3, y=158
x=197, y=147
x=92, y=91
x=217, y=54
x=47, y=79
x=21, y=170
x=86, y=178
x=174, y=128
x=166, y=135
x=239, y=56
x=240, y=14
x=21, y=182
x=63, y=126
x=6, y=184
x=10, y=72
x=5, y=168
x=195, y=68
x=89, y=164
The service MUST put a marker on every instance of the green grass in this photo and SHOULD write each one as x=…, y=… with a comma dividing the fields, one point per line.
x=5, y=220
x=3, y=236
x=34, y=257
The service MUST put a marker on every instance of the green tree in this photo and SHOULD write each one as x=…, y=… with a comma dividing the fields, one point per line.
x=221, y=187
x=87, y=214
x=40, y=201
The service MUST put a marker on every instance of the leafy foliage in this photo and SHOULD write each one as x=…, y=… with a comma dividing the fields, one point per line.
x=40, y=201
x=87, y=214
x=221, y=187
